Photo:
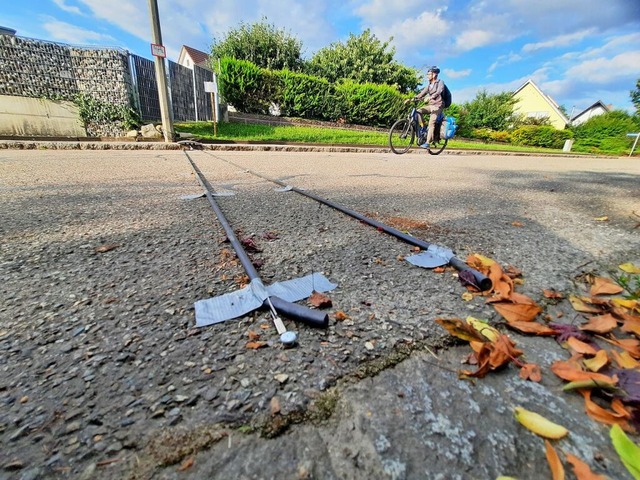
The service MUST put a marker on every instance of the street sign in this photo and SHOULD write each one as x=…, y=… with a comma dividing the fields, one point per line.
x=158, y=50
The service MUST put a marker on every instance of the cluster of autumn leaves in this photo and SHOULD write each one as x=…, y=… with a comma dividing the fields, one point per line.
x=607, y=378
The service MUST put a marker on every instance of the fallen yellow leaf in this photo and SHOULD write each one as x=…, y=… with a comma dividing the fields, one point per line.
x=539, y=424
x=629, y=268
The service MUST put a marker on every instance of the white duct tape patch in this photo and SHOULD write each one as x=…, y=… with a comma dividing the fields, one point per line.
x=239, y=303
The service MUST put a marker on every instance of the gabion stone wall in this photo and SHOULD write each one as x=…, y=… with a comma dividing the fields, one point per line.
x=35, y=68
x=41, y=69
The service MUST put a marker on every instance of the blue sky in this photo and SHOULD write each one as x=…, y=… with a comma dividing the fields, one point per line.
x=577, y=51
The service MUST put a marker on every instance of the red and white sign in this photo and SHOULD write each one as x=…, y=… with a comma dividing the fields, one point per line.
x=158, y=50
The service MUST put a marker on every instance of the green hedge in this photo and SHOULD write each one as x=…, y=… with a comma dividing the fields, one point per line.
x=252, y=89
x=540, y=136
x=305, y=96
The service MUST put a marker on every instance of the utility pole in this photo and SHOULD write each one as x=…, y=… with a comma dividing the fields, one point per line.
x=161, y=77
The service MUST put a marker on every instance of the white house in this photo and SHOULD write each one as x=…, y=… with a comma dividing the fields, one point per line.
x=597, y=108
x=190, y=56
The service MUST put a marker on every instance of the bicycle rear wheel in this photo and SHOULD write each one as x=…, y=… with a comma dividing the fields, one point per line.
x=401, y=136
x=437, y=147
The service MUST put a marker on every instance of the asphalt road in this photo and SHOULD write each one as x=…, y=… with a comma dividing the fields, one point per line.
x=165, y=400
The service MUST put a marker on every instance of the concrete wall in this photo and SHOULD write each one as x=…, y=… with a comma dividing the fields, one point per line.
x=38, y=117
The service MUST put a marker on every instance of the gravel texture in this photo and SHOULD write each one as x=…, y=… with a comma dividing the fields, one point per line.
x=104, y=375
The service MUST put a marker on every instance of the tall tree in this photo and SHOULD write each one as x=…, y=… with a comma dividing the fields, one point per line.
x=262, y=44
x=486, y=110
x=363, y=59
x=635, y=97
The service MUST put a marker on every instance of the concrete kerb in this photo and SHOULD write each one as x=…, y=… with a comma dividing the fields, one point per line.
x=41, y=144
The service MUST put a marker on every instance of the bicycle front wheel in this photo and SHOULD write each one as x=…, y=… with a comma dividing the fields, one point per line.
x=401, y=136
x=438, y=147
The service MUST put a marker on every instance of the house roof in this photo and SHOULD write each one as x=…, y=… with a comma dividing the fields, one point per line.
x=196, y=55
x=549, y=100
x=591, y=107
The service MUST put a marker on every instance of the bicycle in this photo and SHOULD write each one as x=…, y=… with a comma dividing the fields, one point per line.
x=407, y=130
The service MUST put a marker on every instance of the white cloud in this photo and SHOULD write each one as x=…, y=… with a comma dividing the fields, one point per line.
x=457, y=73
x=559, y=41
x=67, y=8
x=504, y=60
x=600, y=70
x=472, y=39
x=66, y=33
x=404, y=32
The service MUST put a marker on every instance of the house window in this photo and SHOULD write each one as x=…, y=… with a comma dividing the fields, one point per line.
x=538, y=114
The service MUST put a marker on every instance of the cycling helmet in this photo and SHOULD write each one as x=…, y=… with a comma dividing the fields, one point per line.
x=434, y=69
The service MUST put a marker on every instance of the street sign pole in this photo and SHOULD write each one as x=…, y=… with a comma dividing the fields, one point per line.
x=159, y=53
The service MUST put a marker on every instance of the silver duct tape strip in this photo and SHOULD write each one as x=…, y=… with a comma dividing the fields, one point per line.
x=432, y=257
x=239, y=303
x=300, y=288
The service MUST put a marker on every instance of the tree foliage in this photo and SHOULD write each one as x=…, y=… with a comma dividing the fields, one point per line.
x=635, y=97
x=261, y=44
x=490, y=110
x=363, y=59
x=611, y=124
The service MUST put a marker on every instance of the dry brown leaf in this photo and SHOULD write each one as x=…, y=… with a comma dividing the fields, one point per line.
x=106, y=248
x=557, y=470
x=605, y=286
x=253, y=335
x=516, y=223
x=461, y=329
x=504, y=350
x=320, y=300
x=602, y=415
x=551, y=293
x=596, y=363
x=255, y=345
x=631, y=325
x=600, y=324
x=502, y=284
x=581, y=347
x=631, y=345
x=187, y=464
x=517, y=312
x=626, y=303
x=480, y=262
x=581, y=470
x=624, y=360
x=570, y=370
x=340, y=316
x=531, y=371
x=532, y=327
x=579, y=305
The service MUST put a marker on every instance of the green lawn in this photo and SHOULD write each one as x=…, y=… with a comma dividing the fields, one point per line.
x=240, y=132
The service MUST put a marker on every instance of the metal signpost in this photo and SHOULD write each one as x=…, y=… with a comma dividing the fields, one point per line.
x=212, y=87
x=637, y=135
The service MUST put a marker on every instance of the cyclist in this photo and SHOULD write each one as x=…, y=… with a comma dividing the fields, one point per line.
x=434, y=105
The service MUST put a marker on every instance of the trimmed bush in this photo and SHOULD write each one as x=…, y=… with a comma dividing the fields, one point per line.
x=540, y=136
x=306, y=96
x=252, y=89
x=369, y=103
